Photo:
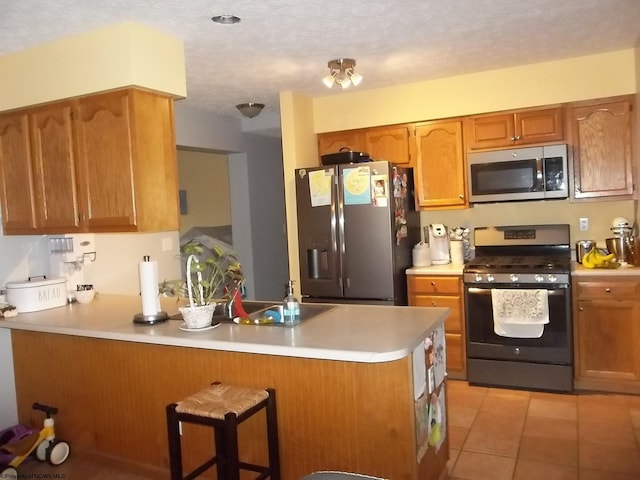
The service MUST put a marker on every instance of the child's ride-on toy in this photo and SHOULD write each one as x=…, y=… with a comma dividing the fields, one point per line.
x=18, y=442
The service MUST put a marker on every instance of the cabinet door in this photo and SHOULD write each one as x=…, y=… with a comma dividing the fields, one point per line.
x=539, y=126
x=54, y=169
x=105, y=163
x=608, y=339
x=440, y=179
x=601, y=138
x=16, y=176
x=523, y=127
x=490, y=131
x=332, y=142
x=392, y=144
x=439, y=291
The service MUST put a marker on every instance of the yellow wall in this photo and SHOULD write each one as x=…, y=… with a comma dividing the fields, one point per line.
x=594, y=76
x=298, y=150
x=579, y=78
x=205, y=178
x=117, y=56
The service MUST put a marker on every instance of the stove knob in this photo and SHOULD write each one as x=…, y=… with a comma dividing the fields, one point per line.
x=553, y=278
x=514, y=277
x=490, y=278
x=539, y=278
x=478, y=277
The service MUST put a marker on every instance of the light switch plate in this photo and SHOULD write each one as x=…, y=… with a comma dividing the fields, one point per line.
x=167, y=244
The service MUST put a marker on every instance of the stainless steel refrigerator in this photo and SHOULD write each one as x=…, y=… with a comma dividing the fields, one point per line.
x=357, y=226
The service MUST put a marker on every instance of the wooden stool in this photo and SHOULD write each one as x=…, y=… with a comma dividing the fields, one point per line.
x=224, y=407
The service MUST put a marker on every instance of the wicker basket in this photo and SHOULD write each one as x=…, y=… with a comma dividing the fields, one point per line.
x=197, y=316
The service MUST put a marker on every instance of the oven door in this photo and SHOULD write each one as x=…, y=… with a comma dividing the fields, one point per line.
x=554, y=346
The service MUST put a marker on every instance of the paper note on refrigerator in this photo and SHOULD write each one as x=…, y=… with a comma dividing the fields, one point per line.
x=320, y=187
x=357, y=186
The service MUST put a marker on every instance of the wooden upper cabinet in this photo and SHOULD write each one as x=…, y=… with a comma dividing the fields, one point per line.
x=16, y=180
x=54, y=168
x=105, y=161
x=127, y=166
x=392, y=144
x=332, y=142
x=440, y=175
x=521, y=127
x=101, y=163
x=601, y=140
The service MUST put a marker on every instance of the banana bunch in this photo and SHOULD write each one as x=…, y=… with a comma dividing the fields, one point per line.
x=594, y=259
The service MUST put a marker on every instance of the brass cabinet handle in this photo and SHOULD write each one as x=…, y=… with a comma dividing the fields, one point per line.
x=608, y=290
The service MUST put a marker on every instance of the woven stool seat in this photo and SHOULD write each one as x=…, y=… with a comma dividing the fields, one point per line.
x=224, y=407
x=218, y=400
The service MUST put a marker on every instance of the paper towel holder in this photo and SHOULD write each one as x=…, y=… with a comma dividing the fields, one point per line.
x=142, y=319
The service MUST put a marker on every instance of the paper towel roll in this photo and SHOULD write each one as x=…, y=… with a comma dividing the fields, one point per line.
x=149, y=287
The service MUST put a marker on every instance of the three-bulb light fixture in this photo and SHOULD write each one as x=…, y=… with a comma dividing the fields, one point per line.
x=342, y=73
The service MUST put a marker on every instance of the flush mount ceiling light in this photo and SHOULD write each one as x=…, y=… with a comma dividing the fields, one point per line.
x=341, y=72
x=225, y=19
x=250, y=109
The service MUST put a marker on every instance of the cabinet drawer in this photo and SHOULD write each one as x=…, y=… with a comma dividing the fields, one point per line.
x=613, y=289
x=453, y=323
x=435, y=284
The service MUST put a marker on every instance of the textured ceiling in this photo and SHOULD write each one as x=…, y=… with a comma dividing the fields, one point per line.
x=285, y=44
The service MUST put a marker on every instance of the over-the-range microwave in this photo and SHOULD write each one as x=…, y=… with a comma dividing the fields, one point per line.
x=530, y=173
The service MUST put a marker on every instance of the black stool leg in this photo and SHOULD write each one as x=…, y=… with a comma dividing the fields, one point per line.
x=272, y=435
x=175, y=450
x=220, y=453
x=232, y=462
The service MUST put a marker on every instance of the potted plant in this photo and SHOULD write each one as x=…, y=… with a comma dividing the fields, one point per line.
x=210, y=273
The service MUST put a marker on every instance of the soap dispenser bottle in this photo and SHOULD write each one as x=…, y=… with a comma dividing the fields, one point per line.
x=291, y=307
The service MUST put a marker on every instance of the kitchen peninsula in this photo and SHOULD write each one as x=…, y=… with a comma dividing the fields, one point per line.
x=344, y=381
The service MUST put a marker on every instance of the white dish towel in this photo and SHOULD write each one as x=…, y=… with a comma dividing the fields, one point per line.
x=519, y=313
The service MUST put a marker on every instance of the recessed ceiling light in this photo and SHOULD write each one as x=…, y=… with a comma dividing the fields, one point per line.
x=226, y=19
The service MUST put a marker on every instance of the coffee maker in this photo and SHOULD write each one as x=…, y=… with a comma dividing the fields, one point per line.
x=439, y=244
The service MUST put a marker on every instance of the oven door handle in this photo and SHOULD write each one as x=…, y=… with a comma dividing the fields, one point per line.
x=487, y=291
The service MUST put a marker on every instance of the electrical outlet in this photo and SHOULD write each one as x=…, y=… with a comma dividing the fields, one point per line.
x=167, y=244
x=584, y=224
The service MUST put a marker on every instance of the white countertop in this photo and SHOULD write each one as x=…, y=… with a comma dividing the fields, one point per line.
x=447, y=269
x=356, y=333
x=578, y=270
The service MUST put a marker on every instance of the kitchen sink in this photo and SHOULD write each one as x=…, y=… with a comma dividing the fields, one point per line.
x=257, y=312
x=307, y=311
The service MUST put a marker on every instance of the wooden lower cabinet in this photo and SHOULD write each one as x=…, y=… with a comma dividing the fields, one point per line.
x=332, y=415
x=444, y=291
x=607, y=334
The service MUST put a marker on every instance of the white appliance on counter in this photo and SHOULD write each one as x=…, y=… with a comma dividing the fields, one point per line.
x=439, y=244
x=69, y=256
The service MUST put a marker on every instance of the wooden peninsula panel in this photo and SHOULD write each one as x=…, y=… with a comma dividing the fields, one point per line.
x=331, y=415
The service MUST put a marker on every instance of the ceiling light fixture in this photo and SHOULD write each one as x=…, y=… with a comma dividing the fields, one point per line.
x=225, y=19
x=250, y=109
x=341, y=72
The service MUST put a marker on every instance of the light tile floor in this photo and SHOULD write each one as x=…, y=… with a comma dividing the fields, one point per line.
x=499, y=434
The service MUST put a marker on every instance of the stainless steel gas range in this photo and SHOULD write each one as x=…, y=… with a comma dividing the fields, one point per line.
x=518, y=308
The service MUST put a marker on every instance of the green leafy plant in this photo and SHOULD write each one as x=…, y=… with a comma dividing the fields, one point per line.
x=210, y=274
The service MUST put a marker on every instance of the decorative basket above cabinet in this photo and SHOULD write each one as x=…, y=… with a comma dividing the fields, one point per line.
x=100, y=163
